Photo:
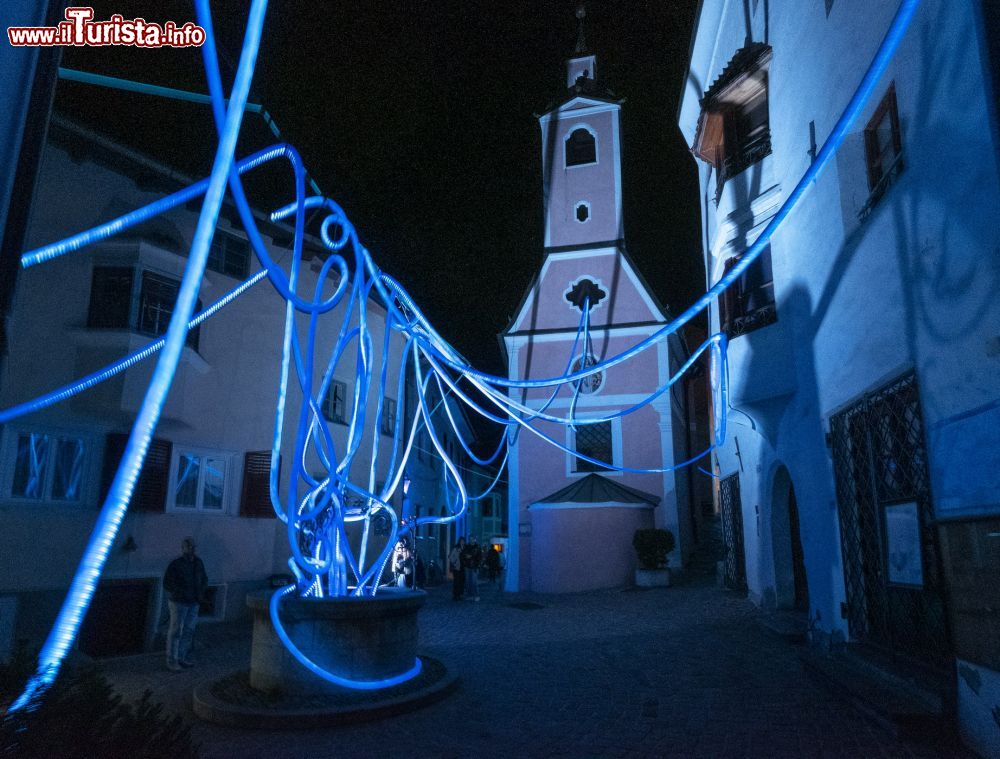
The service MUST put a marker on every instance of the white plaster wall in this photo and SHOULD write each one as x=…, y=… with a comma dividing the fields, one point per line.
x=910, y=288
x=223, y=399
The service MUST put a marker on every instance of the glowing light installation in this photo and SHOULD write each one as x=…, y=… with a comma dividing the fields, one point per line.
x=317, y=511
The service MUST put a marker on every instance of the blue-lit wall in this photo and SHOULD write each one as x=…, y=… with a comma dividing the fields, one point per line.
x=17, y=69
x=912, y=287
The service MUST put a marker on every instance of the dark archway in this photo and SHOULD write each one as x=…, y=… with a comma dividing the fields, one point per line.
x=791, y=586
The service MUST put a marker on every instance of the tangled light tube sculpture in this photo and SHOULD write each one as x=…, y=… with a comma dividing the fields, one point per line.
x=317, y=511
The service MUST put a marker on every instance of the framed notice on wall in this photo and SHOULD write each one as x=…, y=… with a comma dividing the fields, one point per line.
x=902, y=545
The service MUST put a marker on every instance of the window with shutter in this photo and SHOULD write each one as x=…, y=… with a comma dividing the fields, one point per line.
x=733, y=131
x=150, y=492
x=256, y=499
x=748, y=303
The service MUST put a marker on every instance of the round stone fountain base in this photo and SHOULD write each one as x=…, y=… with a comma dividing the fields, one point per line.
x=366, y=639
x=232, y=702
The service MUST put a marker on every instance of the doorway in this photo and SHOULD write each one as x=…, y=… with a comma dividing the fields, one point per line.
x=889, y=539
x=791, y=584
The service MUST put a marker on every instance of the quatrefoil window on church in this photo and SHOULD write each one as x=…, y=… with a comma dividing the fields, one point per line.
x=585, y=291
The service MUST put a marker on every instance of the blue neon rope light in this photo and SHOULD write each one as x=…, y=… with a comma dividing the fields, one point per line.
x=316, y=510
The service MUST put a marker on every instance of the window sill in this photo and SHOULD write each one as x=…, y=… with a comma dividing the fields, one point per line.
x=174, y=510
x=880, y=190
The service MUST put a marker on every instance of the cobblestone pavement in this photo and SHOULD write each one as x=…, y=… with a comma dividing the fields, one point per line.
x=683, y=671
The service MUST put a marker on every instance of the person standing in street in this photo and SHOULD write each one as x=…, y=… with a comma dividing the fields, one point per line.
x=457, y=571
x=472, y=558
x=185, y=582
x=492, y=562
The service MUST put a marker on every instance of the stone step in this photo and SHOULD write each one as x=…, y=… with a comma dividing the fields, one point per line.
x=907, y=709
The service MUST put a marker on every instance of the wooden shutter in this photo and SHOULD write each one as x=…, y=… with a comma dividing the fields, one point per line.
x=150, y=493
x=256, y=499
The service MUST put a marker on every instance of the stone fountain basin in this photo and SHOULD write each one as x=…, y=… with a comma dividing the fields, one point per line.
x=357, y=638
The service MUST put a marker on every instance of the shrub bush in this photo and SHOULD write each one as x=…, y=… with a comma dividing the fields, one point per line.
x=652, y=546
x=80, y=715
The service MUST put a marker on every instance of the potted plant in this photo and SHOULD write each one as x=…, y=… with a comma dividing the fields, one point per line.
x=652, y=547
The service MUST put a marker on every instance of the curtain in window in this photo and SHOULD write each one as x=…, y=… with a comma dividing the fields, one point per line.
x=67, y=477
x=29, y=466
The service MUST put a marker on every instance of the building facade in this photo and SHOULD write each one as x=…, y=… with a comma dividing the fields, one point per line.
x=206, y=474
x=858, y=481
x=576, y=542
x=429, y=495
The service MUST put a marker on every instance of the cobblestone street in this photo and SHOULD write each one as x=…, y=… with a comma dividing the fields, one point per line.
x=684, y=671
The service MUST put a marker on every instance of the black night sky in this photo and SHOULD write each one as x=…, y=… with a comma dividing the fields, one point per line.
x=418, y=118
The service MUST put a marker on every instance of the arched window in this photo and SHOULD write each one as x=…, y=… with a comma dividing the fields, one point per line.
x=581, y=148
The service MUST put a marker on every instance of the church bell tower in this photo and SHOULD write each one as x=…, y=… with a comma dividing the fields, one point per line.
x=581, y=156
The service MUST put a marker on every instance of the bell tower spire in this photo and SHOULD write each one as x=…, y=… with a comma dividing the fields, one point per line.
x=581, y=64
x=581, y=40
x=581, y=155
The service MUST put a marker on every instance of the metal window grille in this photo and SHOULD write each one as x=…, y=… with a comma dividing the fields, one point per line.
x=593, y=440
x=731, y=508
x=880, y=461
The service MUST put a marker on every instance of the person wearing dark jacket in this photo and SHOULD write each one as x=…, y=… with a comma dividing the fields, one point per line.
x=185, y=582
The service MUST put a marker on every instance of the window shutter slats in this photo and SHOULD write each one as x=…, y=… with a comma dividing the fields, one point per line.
x=256, y=498
x=150, y=493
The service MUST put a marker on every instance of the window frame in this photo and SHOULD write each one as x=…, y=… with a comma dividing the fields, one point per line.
x=731, y=307
x=10, y=448
x=566, y=140
x=616, y=448
x=230, y=238
x=180, y=450
x=329, y=402
x=718, y=141
x=881, y=176
x=387, y=423
x=133, y=324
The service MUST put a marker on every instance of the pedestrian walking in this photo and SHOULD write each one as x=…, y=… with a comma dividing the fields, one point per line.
x=492, y=562
x=472, y=559
x=185, y=582
x=457, y=571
